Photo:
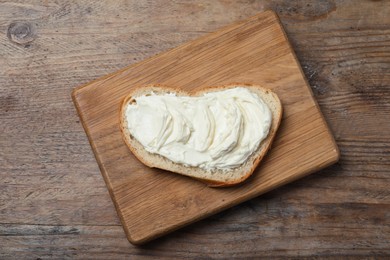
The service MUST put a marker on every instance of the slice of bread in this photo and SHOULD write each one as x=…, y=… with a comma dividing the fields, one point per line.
x=215, y=178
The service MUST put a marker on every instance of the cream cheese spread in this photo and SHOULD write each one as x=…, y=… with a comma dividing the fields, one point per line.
x=218, y=130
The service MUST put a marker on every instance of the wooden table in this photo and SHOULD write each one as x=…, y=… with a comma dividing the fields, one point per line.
x=53, y=200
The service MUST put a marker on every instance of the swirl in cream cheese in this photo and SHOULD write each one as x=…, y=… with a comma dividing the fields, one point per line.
x=218, y=130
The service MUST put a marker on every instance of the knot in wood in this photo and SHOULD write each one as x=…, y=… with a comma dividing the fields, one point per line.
x=21, y=32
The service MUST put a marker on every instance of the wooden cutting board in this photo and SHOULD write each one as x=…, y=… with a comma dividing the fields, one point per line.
x=152, y=202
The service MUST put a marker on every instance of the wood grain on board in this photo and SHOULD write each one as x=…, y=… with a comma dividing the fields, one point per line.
x=151, y=202
x=54, y=202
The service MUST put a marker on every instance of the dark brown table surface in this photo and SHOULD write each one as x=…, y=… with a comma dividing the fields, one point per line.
x=53, y=200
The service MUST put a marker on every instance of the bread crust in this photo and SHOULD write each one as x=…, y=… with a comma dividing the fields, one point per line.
x=153, y=160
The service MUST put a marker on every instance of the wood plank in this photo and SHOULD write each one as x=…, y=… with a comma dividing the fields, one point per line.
x=78, y=41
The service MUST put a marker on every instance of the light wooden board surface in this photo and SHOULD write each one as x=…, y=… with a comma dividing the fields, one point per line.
x=151, y=202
